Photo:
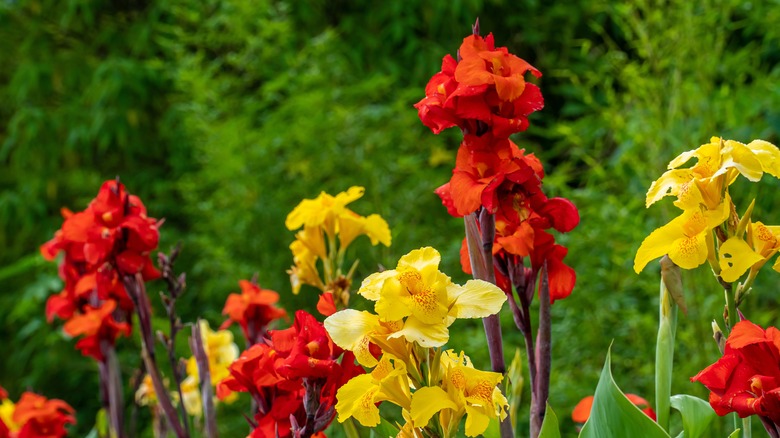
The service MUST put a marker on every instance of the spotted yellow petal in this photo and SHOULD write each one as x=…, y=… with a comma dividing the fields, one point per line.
x=689, y=252
x=475, y=299
x=668, y=184
x=735, y=257
x=658, y=243
x=427, y=401
x=350, y=329
x=356, y=399
x=371, y=287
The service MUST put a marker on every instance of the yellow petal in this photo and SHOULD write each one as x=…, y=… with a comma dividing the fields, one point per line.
x=378, y=230
x=356, y=399
x=371, y=287
x=426, y=335
x=738, y=156
x=658, y=243
x=426, y=402
x=768, y=155
x=689, y=196
x=475, y=299
x=736, y=257
x=313, y=239
x=309, y=212
x=394, y=299
x=350, y=226
x=668, y=184
x=690, y=252
x=476, y=421
x=350, y=329
x=419, y=259
x=353, y=193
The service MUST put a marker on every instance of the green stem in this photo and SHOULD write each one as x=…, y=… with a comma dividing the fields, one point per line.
x=664, y=355
x=731, y=305
x=747, y=431
x=349, y=429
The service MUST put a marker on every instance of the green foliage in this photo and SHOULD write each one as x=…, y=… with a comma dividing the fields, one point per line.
x=550, y=427
x=696, y=413
x=613, y=415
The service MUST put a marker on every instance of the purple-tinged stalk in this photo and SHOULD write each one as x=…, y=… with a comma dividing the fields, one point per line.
x=137, y=291
x=480, y=246
x=541, y=384
x=204, y=374
x=111, y=384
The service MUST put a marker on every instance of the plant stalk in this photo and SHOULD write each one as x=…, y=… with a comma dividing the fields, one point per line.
x=541, y=383
x=204, y=375
x=664, y=355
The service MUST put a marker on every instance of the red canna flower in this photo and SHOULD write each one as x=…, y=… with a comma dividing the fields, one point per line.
x=293, y=377
x=485, y=91
x=96, y=324
x=326, y=305
x=253, y=309
x=40, y=417
x=746, y=380
x=111, y=239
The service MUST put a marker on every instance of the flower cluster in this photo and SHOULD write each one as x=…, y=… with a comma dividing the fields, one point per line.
x=329, y=227
x=112, y=238
x=486, y=95
x=253, y=309
x=293, y=377
x=484, y=90
x=34, y=416
x=746, y=379
x=415, y=304
x=703, y=196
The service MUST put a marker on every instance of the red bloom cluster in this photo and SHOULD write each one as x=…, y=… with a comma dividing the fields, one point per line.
x=746, y=380
x=484, y=90
x=293, y=376
x=35, y=416
x=485, y=94
x=253, y=309
x=498, y=176
x=111, y=239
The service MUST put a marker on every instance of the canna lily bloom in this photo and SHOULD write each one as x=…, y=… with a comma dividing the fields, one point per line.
x=308, y=350
x=41, y=417
x=684, y=239
x=464, y=390
x=719, y=162
x=746, y=380
x=253, y=309
x=485, y=91
x=331, y=214
x=7, y=423
x=427, y=300
x=581, y=411
x=96, y=324
x=359, y=331
x=360, y=395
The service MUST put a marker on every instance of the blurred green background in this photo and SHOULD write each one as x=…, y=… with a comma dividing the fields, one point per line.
x=222, y=116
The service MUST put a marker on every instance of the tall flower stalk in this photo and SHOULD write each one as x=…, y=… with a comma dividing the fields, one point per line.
x=497, y=188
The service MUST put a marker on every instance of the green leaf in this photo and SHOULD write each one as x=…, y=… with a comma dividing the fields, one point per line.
x=613, y=414
x=493, y=430
x=696, y=413
x=550, y=428
x=384, y=429
x=735, y=434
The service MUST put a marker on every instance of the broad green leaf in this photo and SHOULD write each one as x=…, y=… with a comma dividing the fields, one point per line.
x=735, y=434
x=550, y=428
x=613, y=415
x=493, y=430
x=696, y=413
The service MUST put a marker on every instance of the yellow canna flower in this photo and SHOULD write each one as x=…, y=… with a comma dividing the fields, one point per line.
x=718, y=165
x=735, y=257
x=684, y=238
x=355, y=331
x=465, y=391
x=358, y=397
x=428, y=300
x=304, y=270
x=331, y=214
x=145, y=395
x=221, y=351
